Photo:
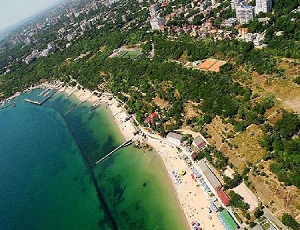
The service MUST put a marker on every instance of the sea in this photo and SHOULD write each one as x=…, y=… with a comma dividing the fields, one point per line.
x=47, y=180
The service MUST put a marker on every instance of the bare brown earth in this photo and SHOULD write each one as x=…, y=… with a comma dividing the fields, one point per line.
x=183, y=57
x=190, y=110
x=247, y=146
x=275, y=195
x=102, y=48
x=243, y=149
x=218, y=131
x=161, y=103
x=286, y=92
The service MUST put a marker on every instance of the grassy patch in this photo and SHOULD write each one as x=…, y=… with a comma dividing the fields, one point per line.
x=132, y=54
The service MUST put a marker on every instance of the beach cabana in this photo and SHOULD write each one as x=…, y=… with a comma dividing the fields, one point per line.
x=210, y=176
x=227, y=220
x=223, y=197
x=196, y=173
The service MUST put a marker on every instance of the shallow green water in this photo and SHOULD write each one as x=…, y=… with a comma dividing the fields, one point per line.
x=46, y=182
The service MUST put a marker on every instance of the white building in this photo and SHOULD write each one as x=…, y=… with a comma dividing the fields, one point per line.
x=70, y=37
x=230, y=22
x=157, y=23
x=153, y=9
x=258, y=41
x=85, y=25
x=212, y=180
x=27, y=41
x=244, y=13
x=263, y=6
x=248, y=37
x=235, y=3
x=175, y=138
x=31, y=57
x=199, y=143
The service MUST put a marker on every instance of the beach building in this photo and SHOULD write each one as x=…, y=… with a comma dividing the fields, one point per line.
x=199, y=143
x=194, y=155
x=196, y=173
x=175, y=138
x=227, y=220
x=223, y=197
x=212, y=179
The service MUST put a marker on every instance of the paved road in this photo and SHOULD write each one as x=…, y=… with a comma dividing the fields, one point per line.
x=272, y=218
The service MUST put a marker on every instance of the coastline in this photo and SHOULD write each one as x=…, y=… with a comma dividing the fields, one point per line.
x=192, y=200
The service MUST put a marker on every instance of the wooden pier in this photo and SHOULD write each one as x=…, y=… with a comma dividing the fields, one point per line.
x=74, y=107
x=126, y=143
x=43, y=93
x=32, y=101
x=95, y=105
x=72, y=92
x=48, y=97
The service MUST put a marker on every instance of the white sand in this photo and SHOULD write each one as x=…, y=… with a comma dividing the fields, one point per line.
x=192, y=199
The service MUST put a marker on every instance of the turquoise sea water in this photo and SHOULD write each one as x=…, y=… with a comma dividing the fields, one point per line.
x=46, y=181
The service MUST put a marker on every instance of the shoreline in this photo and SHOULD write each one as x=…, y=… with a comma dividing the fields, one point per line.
x=192, y=200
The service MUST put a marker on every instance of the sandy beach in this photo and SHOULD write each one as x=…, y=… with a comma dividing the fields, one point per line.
x=191, y=197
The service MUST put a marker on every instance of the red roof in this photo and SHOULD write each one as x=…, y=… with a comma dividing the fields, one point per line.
x=202, y=144
x=224, y=198
x=153, y=115
x=194, y=155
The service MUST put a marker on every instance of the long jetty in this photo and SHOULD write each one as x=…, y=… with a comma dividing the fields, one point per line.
x=48, y=97
x=96, y=104
x=74, y=107
x=72, y=92
x=126, y=143
x=32, y=101
x=43, y=93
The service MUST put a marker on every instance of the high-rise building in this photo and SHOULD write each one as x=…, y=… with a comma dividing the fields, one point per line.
x=263, y=6
x=157, y=23
x=235, y=3
x=153, y=10
x=244, y=13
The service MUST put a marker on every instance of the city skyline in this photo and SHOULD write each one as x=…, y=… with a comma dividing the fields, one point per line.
x=14, y=11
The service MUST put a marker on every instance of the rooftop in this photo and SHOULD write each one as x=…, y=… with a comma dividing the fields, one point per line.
x=213, y=180
x=175, y=136
x=199, y=141
x=228, y=219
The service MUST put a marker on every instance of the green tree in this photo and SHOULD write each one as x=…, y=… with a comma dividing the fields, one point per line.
x=289, y=221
